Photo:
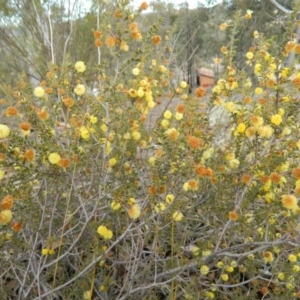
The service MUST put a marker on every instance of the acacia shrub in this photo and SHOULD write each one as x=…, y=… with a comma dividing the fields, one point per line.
x=83, y=213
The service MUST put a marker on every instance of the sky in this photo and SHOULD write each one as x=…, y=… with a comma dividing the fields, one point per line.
x=192, y=3
x=136, y=3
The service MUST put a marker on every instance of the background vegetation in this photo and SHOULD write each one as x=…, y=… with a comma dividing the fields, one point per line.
x=117, y=183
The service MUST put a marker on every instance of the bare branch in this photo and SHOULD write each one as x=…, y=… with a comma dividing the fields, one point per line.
x=282, y=8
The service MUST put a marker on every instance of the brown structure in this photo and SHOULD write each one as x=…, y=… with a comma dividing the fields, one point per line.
x=205, y=77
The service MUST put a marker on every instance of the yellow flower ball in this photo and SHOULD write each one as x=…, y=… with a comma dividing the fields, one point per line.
x=87, y=295
x=39, y=92
x=5, y=216
x=183, y=84
x=172, y=134
x=140, y=93
x=136, y=135
x=93, y=120
x=131, y=201
x=281, y=276
x=268, y=256
x=108, y=148
x=248, y=83
x=249, y=55
x=290, y=286
x=165, y=123
x=258, y=91
x=162, y=69
x=206, y=253
x=207, y=154
x=225, y=277
x=296, y=268
x=178, y=116
x=4, y=131
x=2, y=174
x=223, y=26
x=177, y=216
x=229, y=269
x=292, y=258
x=249, y=14
x=80, y=66
x=136, y=71
x=45, y=251
x=170, y=198
x=152, y=161
x=265, y=131
x=281, y=111
x=104, y=232
x=134, y=211
x=84, y=133
x=241, y=128
x=230, y=106
x=112, y=162
x=209, y=295
x=195, y=250
x=103, y=128
x=204, y=270
x=151, y=104
x=257, y=69
x=79, y=89
x=167, y=115
x=54, y=158
x=234, y=163
x=286, y=131
x=115, y=205
x=276, y=119
x=159, y=207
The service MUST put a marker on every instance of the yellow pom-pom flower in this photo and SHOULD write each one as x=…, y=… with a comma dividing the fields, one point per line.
x=292, y=258
x=80, y=66
x=183, y=84
x=204, y=270
x=84, y=133
x=39, y=92
x=268, y=256
x=241, y=128
x=104, y=232
x=79, y=89
x=54, y=158
x=258, y=91
x=165, y=123
x=5, y=216
x=2, y=174
x=225, y=277
x=276, y=119
x=136, y=135
x=136, y=71
x=134, y=211
x=177, y=216
x=160, y=206
x=289, y=201
x=4, y=131
x=169, y=198
x=115, y=205
x=249, y=55
x=167, y=115
x=112, y=162
x=93, y=120
x=230, y=106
